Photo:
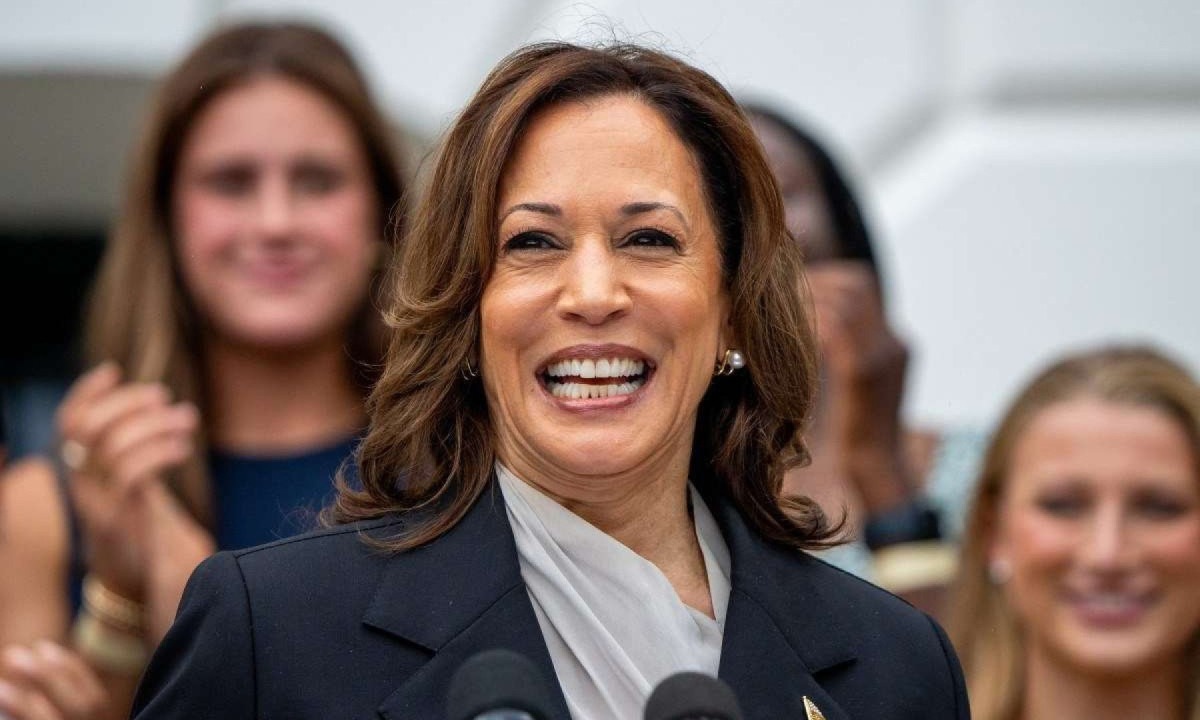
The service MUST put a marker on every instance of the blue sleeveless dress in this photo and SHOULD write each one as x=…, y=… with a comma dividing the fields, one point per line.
x=261, y=499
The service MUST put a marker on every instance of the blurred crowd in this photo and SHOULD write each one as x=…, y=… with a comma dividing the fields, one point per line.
x=233, y=333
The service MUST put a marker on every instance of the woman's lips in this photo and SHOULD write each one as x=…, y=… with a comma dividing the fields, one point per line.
x=275, y=268
x=1110, y=609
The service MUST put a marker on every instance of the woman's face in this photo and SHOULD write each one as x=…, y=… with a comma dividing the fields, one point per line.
x=274, y=216
x=1100, y=524
x=806, y=209
x=606, y=310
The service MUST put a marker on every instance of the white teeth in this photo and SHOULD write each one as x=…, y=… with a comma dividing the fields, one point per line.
x=582, y=391
x=602, y=368
x=562, y=377
x=1109, y=600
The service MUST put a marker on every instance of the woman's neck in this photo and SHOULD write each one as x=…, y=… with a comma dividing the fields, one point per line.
x=280, y=402
x=647, y=512
x=1054, y=691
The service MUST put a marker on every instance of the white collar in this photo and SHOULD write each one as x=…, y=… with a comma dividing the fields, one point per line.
x=614, y=625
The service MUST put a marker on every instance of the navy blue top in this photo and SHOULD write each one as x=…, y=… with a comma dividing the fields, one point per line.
x=259, y=499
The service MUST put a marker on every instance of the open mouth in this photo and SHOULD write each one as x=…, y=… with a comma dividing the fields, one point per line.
x=589, y=378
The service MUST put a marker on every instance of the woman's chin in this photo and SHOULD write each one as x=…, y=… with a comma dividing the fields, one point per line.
x=1120, y=654
x=599, y=457
x=573, y=451
x=275, y=335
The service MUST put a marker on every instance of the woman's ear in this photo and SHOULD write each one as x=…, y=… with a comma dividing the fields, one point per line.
x=999, y=558
x=727, y=337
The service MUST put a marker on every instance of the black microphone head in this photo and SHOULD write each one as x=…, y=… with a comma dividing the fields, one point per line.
x=692, y=696
x=496, y=680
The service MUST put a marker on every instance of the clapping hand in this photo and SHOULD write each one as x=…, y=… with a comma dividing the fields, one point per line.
x=118, y=438
x=865, y=364
x=46, y=681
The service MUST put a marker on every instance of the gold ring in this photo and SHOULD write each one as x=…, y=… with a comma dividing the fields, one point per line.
x=74, y=455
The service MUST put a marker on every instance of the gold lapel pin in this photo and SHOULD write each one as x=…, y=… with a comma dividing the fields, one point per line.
x=811, y=710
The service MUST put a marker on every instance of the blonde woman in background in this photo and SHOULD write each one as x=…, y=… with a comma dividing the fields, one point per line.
x=1079, y=593
x=236, y=334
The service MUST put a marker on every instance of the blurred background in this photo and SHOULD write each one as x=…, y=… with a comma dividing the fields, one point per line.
x=1031, y=168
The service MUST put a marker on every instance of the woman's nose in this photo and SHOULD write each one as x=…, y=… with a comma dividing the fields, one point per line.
x=1107, y=544
x=274, y=212
x=594, y=284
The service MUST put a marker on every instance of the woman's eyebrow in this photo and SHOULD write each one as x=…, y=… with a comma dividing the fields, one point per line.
x=542, y=208
x=627, y=210
x=639, y=208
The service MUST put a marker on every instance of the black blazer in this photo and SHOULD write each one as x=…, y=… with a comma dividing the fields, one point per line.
x=323, y=626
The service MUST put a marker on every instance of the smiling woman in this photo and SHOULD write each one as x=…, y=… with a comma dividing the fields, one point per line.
x=275, y=159
x=607, y=254
x=235, y=333
x=600, y=371
x=1082, y=558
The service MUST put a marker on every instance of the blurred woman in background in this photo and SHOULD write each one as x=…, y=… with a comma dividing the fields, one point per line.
x=1079, y=591
x=864, y=460
x=235, y=329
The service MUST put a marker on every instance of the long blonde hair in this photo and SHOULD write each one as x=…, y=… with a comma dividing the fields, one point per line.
x=985, y=633
x=140, y=314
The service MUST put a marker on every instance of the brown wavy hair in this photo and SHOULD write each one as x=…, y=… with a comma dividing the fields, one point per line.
x=985, y=632
x=140, y=314
x=430, y=443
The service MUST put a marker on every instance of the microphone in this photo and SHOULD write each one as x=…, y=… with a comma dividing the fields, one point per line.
x=498, y=685
x=692, y=696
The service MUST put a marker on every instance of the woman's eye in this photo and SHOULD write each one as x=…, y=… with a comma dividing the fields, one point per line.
x=316, y=180
x=232, y=181
x=1064, y=506
x=530, y=241
x=1160, y=507
x=651, y=238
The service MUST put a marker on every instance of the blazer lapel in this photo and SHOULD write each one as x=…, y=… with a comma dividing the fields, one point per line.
x=463, y=594
x=455, y=597
x=780, y=631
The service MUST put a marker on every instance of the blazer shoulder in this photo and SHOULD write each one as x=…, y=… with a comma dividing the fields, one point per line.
x=901, y=651
x=843, y=614
x=857, y=595
x=338, y=538
x=319, y=559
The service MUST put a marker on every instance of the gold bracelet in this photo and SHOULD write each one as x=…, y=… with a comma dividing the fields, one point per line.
x=107, y=648
x=112, y=609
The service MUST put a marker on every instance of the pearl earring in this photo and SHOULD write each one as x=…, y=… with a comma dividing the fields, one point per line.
x=732, y=361
x=999, y=571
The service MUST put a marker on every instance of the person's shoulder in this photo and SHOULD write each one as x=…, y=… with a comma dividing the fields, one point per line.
x=35, y=549
x=343, y=540
x=33, y=512
x=30, y=478
x=898, y=651
x=859, y=612
x=330, y=538
x=854, y=596
x=333, y=558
